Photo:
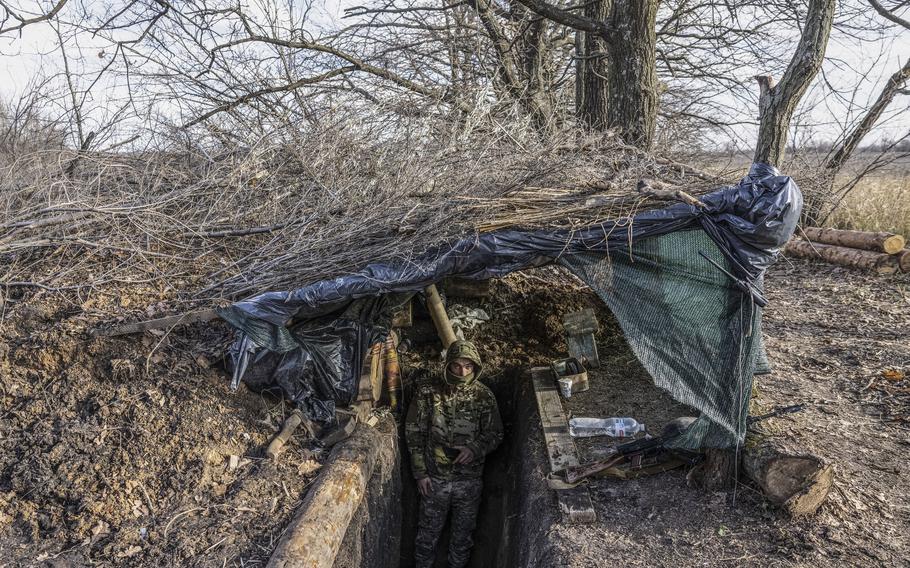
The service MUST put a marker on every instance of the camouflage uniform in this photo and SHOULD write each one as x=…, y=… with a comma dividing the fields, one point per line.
x=443, y=415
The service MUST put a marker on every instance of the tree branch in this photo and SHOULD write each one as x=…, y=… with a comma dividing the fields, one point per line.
x=270, y=90
x=567, y=18
x=846, y=148
x=27, y=21
x=885, y=13
x=356, y=62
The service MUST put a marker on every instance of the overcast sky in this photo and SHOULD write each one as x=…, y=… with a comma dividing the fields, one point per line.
x=24, y=59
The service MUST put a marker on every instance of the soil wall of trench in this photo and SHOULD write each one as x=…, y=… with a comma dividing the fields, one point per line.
x=516, y=510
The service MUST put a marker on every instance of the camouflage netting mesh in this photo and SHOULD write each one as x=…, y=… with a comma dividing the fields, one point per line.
x=695, y=333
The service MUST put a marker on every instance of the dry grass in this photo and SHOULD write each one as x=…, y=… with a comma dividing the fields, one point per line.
x=881, y=202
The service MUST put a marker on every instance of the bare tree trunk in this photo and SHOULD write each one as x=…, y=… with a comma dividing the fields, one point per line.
x=632, y=98
x=777, y=102
x=852, y=140
x=594, y=86
x=579, y=72
x=616, y=83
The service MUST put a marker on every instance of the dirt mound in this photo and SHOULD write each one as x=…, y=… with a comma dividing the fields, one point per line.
x=132, y=450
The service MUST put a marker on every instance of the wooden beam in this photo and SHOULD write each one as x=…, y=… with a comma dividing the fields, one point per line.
x=314, y=536
x=440, y=318
x=574, y=503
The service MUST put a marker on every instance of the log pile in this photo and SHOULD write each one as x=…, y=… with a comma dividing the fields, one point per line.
x=882, y=253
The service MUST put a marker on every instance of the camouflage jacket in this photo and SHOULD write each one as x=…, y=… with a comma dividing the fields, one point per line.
x=440, y=418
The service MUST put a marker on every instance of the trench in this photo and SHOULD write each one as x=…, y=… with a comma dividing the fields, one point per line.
x=515, y=509
x=499, y=521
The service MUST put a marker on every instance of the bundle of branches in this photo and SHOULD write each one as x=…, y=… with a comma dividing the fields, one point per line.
x=216, y=222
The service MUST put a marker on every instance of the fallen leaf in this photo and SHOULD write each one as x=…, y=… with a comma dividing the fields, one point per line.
x=893, y=375
x=130, y=552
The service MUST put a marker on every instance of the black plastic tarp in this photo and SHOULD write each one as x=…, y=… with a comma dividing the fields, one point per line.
x=749, y=222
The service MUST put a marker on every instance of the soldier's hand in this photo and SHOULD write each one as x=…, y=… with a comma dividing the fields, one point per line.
x=465, y=456
x=424, y=486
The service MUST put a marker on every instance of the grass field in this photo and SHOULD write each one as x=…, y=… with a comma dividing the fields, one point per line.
x=881, y=202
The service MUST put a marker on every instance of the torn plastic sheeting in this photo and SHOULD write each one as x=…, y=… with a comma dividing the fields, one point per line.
x=752, y=220
x=749, y=222
x=323, y=368
x=320, y=372
x=464, y=318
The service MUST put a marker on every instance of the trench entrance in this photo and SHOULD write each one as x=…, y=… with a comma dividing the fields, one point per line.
x=525, y=330
x=499, y=524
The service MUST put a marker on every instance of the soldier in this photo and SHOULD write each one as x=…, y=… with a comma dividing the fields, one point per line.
x=452, y=424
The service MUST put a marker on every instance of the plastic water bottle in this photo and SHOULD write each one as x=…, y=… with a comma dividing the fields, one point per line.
x=616, y=427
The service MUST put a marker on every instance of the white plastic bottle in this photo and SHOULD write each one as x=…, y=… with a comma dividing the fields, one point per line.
x=616, y=427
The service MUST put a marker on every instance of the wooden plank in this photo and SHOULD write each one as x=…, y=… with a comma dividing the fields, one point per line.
x=580, y=322
x=560, y=446
x=170, y=321
x=404, y=317
x=584, y=348
x=580, y=328
x=575, y=503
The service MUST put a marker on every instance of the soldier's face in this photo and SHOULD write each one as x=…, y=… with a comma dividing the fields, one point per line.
x=461, y=367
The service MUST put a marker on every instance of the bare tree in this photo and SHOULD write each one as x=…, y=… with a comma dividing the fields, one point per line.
x=778, y=101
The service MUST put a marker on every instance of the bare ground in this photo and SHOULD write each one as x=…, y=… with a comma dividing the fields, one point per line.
x=118, y=452
x=132, y=451
x=838, y=341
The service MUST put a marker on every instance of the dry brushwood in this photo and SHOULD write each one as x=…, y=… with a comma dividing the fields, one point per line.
x=194, y=227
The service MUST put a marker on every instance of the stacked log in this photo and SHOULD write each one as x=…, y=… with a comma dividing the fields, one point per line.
x=904, y=260
x=879, y=252
x=888, y=243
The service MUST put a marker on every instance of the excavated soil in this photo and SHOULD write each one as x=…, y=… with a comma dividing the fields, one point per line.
x=133, y=452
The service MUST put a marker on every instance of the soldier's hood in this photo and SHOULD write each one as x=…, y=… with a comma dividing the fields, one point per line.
x=468, y=350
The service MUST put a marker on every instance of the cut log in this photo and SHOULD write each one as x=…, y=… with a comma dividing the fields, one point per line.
x=314, y=536
x=796, y=482
x=879, y=242
x=903, y=260
x=718, y=470
x=853, y=258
